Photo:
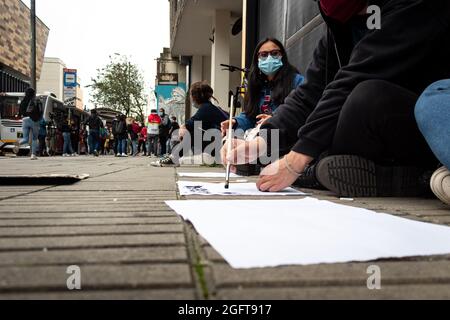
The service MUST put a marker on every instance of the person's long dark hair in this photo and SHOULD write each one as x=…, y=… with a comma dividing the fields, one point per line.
x=281, y=85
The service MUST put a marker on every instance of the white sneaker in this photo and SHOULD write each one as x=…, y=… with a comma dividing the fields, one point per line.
x=440, y=184
x=65, y=155
x=33, y=157
x=124, y=155
x=164, y=162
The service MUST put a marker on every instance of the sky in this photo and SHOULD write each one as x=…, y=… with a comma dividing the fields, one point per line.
x=84, y=33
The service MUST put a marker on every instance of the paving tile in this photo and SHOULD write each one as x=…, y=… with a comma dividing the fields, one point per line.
x=49, y=243
x=408, y=272
x=94, y=256
x=410, y=292
x=154, y=294
x=14, y=279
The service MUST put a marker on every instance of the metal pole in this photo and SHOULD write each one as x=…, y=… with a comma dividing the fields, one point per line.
x=33, y=44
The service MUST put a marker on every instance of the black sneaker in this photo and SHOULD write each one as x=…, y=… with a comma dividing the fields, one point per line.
x=353, y=176
x=308, y=180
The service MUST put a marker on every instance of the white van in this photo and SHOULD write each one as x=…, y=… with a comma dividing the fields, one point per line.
x=11, y=122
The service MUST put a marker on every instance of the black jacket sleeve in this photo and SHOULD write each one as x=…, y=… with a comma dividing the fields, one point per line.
x=292, y=115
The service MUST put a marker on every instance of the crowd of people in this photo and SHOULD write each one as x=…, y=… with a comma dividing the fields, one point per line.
x=125, y=137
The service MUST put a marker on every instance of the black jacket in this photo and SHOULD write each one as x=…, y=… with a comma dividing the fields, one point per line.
x=209, y=115
x=412, y=50
x=65, y=128
x=94, y=122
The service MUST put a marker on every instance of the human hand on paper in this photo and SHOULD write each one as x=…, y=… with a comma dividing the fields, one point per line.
x=262, y=118
x=278, y=176
x=243, y=152
x=225, y=126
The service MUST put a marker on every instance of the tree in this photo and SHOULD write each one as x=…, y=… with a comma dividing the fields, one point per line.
x=120, y=86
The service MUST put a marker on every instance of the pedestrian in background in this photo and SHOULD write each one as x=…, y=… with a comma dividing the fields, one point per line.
x=164, y=130
x=143, y=141
x=154, y=121
x=66, y=132
x=103, y=137
x=95, y=124
x=173, y=133
x=121, y=136
x=133, y=132
x=32, y=111
x=75, y=136
x=114, y=134
x=51, y=135
x=42, y=137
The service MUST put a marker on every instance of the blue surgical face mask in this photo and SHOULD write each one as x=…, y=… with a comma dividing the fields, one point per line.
x=270, y=66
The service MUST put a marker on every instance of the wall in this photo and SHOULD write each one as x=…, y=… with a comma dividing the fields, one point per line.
x=171, y=97
x=15, y=37
x=173, y=100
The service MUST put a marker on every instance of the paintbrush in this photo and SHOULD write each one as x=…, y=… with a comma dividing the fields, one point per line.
x=229, y=145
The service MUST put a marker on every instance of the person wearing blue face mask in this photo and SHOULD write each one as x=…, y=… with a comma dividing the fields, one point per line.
x=271, y=80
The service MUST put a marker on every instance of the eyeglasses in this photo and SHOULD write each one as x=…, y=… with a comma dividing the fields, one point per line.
x=274, y=53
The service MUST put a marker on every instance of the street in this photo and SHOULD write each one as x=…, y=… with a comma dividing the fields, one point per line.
x=116, y=228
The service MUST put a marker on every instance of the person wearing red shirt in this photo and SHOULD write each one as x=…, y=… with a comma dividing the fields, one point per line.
x=143, y=140
x=154, y=122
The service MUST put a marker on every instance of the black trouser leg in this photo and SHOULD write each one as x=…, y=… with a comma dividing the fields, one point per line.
x=163, y=142
x=377, y=122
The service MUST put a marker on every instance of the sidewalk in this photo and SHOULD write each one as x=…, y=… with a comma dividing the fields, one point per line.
x=130, y=245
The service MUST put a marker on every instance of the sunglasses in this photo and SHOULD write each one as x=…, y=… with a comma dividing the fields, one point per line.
x=274, y=53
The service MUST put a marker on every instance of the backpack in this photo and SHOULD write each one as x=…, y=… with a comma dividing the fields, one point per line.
x=34, y=110
x=120, y=127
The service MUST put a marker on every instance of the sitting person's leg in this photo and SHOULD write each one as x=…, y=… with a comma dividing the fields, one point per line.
x=377, y=122
x=384, y=153
x=433, y=118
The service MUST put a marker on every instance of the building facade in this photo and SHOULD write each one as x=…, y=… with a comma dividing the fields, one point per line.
x=170, y=85
x=211, y=33
x=15, y=45
x=52, y=81
x=52, y=77
x=206, y=34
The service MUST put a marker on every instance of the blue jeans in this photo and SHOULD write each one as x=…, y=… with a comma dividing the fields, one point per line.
x=67, y=143
x=152, y=147
x=433, y=118
x=122, y=146
x=94, y=141
x=134, y=144
x=30, y=127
